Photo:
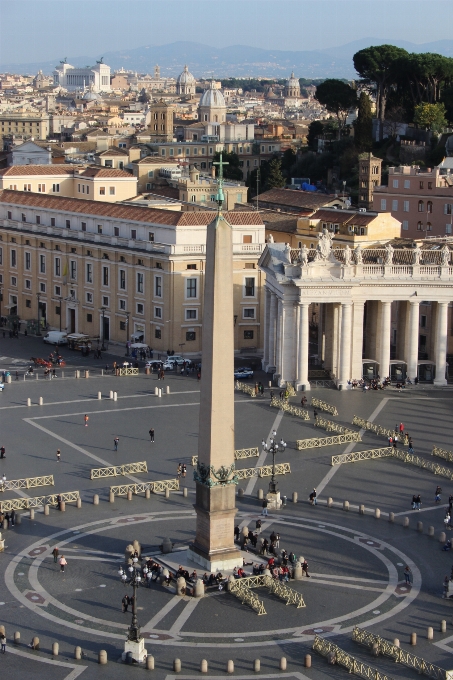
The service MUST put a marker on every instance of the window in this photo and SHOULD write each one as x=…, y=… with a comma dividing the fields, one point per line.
x=157, y=334
x=122, y=325
x=248, y=335
x=88, y=189
x=151, y=236
x=27, y=187
x=28, y=261
x=448, y=228
x=42, y=287
x=191, y=314
x=248, y=313
x=429, y=206
x=191, y=288
x=421, y=206
x=28, y=284
x=38, y=219
x=13, y=281
x=28, y=303
x=122, y=305
x=140, y=278
x=78, y=188
x=73, y=270
x=419, y=226
x=395, y=184
x=116, y=231
x=57, y=290
x=56, y=188
x=249, y=287
x=24, y=217
x=159, y=265
x=99, y=228
x=105, y=276
x=239, y=198
x=394, y=205
x=52, y=221
x=68, y=224
x=407, y=184
x=246, y=239
x=133, y=234
x=90, y=298
x=191, y=336
x=89, y=272
x=10, y=215
x=89, y=318
x=422, y=320
x=101, y=191
x=42, y=264
x=122, y=279
x=383, y=204
x=421, y=185
x=158, y=286
x=158, y=312
x=405, y=225
x=112, y=191
x=140, y=308
x=150, y=173
x=405, y=206
x=84, y=226
x=191, y=266
x=105, y=301
x=430, y=185
x=429, y=226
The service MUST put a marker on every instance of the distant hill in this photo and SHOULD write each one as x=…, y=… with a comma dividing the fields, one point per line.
x=236, y=60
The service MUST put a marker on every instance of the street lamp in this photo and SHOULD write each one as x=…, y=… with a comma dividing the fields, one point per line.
x=127, y=332
x=273, y=447
x=38, y=332
x=103, y=328
x=133, y=579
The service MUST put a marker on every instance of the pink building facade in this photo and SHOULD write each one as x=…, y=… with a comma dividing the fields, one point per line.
x=421, y=201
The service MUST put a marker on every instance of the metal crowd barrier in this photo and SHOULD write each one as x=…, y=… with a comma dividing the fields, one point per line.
x=238, y=454
x=27, y=483
x=264, y=471
x=354, y=456
x=117, y=470
x=330, y=426
x=441, y=453
x=289, y=408
x=316, y=443
x=377, y=429
x=127, y=371
x=324, y=406
x=342, y=658
x=154, y=487
x=245, y=388
x=38, y=501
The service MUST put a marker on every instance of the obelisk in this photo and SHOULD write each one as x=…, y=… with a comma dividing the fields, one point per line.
x=215, y=506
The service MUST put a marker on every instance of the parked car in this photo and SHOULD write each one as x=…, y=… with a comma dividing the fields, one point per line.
x=2, y=386
x=179, y=360
x=153, y=363
x=56, y=338
x=243, y=373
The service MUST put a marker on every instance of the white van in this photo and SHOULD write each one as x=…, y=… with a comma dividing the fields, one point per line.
x=56, y=338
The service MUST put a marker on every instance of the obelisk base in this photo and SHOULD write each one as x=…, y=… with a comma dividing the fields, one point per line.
x=223, y=560
x=273, y=501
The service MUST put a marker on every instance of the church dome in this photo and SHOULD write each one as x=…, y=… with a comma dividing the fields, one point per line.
x=186, y=78
x=212, y=98
x=292, y=81
x=91, y=96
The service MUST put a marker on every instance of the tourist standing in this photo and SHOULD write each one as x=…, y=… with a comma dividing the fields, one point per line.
x=63, y=563
x=58, y=455
x=115, y=443
x=151, y=435
x=55, y=552
x=86, y=419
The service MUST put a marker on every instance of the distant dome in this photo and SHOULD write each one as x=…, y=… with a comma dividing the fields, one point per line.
x=91, y=96
x=186, y=78
x=292, y=81
x=212, y=98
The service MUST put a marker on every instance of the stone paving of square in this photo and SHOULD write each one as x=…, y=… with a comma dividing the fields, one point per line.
x=356, y=561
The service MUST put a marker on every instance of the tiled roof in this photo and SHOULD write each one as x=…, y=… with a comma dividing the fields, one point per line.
x=149, y=160
x=112, y=151
x=29, y=170
x=359, y=219
x=124, y=212
x=105, y=172
x=296, y=199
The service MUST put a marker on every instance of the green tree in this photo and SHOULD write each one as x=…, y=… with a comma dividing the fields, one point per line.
x=430, y=116
x=315, y=129
x=288, y=160
x=363, y=126
x=275, y=179
x=377, y=67
x=144, y=97
x=233, y=170
x=338, y=98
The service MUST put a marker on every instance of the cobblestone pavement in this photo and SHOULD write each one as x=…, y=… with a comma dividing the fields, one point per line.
x=356, y=561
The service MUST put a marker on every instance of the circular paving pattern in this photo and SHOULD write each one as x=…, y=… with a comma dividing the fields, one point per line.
x=360, y=585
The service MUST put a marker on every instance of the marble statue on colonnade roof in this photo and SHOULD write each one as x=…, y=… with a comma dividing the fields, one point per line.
x=324, y=247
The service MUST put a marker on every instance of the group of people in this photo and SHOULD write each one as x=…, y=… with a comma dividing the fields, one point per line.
x=10, y=517
x=181, y=470
x=401, y=436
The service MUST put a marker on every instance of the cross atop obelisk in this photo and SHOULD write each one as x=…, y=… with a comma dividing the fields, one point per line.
x=215, y=505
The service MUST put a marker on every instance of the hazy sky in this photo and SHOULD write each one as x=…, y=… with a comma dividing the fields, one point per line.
x=35, y=30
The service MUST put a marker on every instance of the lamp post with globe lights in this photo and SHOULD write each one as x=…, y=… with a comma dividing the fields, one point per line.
x=135, y=643
x=273, y=447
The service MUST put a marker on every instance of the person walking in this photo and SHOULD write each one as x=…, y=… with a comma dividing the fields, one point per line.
x=179, y=470
x=258, y=525
x=151, y=435
x=313, y=497
x=401, y=429
x=3, y=642
x=418, y=502
x=125, y=603
x=410, y=446
x=437, y=494
x=13, y=517
x=86, y=419
x=63, y=563
x=115, y=443
x=184, y=470
x=407, y=575
x=58, y=455
x=265, y=512
x=2, y=452
x=55, y=552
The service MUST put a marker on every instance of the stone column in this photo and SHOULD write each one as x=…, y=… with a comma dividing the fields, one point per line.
x=320, y=332
x=272, y=333
x=385, y=330
x=344, y=371
x=411, y=357
x=401, y=327
x=278, y=338
x=302, y=347
x=372, y=315
x=331, y=319
x=288, y=343
x=357, y=340
x=440, y=346
x=267, y=304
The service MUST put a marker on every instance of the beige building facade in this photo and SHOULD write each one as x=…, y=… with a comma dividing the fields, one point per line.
x=132, y=269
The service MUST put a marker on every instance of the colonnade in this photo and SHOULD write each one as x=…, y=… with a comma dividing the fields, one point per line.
x=349, y=331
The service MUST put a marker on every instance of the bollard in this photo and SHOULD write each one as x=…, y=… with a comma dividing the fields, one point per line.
x=77, y=653
x=115, y=396
x=361, y=509
x=55, y=648
x=230, y=666
x=63, y=506
x=102, y=657
x=270, y=383
x=307, y=660
x=442, y=537
x=156, y=391
x=28, y=401
x=167, y=546
x=391, y=516
x=32, y=513
x=77, y=373
x=18, y=518
x=5, y=524
x=160, y=392
x=185, y=491
x=198, y=590
x=240, y=493
x=168, y=389
x=329, y=502
x=111, y=497
x=396, y=642
x=167, y=493
x=129, y=494
x=147, y=493
x=111, y=394
x=99, y=395
x=96, y=499
x=87, y=374
x=8, y=379
x=62, y=374
x=177, y=665
x=430, y=531
x=37, y=376
x=377, y=513
x=283, y=663
x=430, y=633
x=346, y=505
x=406, y=522
x=295, y=496
x=203, y=666
x=46, y=509
x=16, y=637
x=181, y=586
x=257, y=665
x=35, y=643
x=41, y=401
x=420, y=527
x=260, y=494
x=297, y=574
x=443, y=626
x=78, y=503
x=150, y=662
x=413, y=639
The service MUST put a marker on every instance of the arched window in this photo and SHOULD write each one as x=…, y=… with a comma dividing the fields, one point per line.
x=421, y=206
x=205, y=116
x=216, y=119
x=419, y=226
x=429, y=206
x=428, y=226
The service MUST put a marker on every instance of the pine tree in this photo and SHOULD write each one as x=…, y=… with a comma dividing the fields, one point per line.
x=275, y=179
x=363, y=126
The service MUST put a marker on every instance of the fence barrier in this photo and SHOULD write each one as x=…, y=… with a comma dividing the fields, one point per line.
x=354, y=456
x=128, y=371
x=276, y=587
x=342, y=658
x=322, y=383
x=27, y=483
x=264, y=471
x=247, y=596
x=155, y=487
x=377, y=429
x=118, y=470
x=37, y=501
x=238, y=454
x=441, y=453
x=390, y=452
x=423, y=463
x=324, y=406
x=316, y=443
x=289, y=408
x=387, y=648
x=245, y=388
x=330, y=426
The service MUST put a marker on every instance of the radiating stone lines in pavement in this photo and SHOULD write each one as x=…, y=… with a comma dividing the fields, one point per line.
x=262, y=457
x=161, y=614
x=76, y=670
x=184, y=616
